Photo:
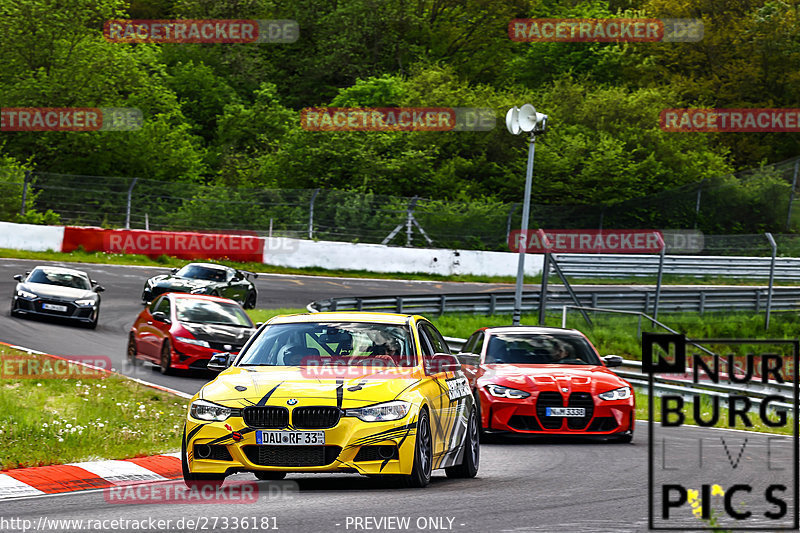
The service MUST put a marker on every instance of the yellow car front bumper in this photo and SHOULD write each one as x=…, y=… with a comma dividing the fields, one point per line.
x=351, y=446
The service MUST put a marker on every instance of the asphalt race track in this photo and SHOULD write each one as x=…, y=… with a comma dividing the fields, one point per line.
x=542, y=486
x=121, y=302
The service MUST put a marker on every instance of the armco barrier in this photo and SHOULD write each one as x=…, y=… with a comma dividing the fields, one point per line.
x=625, y=266
x=640, y=299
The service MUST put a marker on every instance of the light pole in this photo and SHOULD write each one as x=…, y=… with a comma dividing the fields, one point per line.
x=525, y=119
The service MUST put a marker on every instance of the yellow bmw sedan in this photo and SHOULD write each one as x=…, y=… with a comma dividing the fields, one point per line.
x=369, y=393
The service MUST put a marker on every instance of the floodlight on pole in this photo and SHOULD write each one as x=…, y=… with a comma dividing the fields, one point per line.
x=525, y=119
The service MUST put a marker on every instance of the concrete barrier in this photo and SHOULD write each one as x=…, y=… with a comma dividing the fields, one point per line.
x=31, y=237
x=298, y=253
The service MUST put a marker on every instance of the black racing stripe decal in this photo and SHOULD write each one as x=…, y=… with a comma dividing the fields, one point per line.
x=453, y=426
x=411, y=385
x=399, y=445
x=193, y=432
x=219, y=440
x=263, y=401
x=436, y=417
x=339, y=392
x=387, y=432
x=408, y=432
x=357, y=386
x=393, y=434
x=187, y=438
x=459, y=407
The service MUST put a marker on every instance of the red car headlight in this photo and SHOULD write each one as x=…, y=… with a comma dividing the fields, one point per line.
x=506, y=392
x=622, y=393
x=196, y=342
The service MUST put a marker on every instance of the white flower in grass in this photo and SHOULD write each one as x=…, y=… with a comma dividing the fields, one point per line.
x=60, y=439
x=68, y=426
x=142, y=407
x=38, y=384
x=135, y=416
x=44, y=424
x=101, y=425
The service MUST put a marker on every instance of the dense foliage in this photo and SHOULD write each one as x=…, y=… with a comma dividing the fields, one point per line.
x=228, y=115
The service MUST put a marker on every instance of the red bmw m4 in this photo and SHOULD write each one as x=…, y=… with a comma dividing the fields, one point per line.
x=547, y=381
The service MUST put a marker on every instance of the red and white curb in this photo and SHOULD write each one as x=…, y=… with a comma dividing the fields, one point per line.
x=41, y=480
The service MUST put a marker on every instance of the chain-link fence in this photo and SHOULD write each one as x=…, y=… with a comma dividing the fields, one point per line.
x=747, y=203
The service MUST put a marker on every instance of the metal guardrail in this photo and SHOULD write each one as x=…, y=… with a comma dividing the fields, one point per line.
x=636, y=299
x=627, y=266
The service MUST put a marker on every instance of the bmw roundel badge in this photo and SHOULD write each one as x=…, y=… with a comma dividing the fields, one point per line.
x=291, y=401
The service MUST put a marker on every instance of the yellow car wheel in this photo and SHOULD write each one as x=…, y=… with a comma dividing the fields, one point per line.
x=423, y=454
x=472, y=451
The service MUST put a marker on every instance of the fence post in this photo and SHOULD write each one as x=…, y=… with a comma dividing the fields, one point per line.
x=791, y=193
x=310, y=215
x=697, y=204
x=409, y=220
x=128, y=213
x=508, y=221
x=25, y=182
x=658, y=283
x=543, y=292
x=771, y=277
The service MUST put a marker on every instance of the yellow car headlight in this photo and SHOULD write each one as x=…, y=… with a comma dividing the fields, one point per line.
x=380, y=412
x=211, y=412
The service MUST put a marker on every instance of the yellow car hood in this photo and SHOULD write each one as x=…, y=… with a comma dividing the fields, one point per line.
x=357, y=385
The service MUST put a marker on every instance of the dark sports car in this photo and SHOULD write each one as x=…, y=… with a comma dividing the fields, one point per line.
x=205, y=278
x=57, y=292
x=547, y=381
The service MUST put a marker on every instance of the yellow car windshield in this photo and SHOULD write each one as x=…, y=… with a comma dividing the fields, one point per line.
x=340, y=343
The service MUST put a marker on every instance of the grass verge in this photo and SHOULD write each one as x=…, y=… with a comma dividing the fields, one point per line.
x=55, y=420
